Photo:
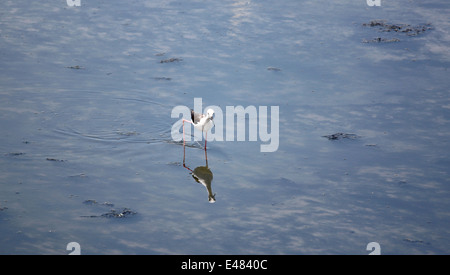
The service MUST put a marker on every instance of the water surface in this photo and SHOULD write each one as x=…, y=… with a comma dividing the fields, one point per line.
x=85, y=113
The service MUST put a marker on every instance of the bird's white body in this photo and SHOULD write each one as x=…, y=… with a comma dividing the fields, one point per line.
x=203, y=122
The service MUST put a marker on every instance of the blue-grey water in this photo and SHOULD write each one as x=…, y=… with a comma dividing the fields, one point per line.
x=85, y=117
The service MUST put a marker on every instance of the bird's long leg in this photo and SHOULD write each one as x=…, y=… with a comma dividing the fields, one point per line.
x=206, y=155
x=184, y=148
x=184, y=141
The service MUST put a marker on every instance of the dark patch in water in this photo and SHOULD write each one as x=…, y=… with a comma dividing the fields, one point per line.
x=124, y=213
x=275, y=69
x=171, y=60
x=402, y=29
x=127, y=134
x=175, y=163
x=56, y=160
x=162, y=78
x=14, y=154
x=381, y=40
x=415, y=241
x=112, y=213
x=341, y=136
x=94, y=202
x=76, y=67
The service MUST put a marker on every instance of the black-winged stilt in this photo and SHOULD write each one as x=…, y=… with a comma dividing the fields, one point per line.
x=201, y=122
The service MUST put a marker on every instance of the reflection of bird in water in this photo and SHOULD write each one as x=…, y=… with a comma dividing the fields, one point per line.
x=201, y=122
x=203, y=175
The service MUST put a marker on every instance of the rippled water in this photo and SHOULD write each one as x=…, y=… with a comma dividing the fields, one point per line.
x=86, y=149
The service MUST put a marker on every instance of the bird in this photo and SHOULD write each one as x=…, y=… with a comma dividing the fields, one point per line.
x=201, y=122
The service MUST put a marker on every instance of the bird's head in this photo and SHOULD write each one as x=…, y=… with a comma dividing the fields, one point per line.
x=210, y=113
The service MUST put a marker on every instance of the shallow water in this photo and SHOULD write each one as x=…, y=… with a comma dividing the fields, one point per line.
x=85, y=113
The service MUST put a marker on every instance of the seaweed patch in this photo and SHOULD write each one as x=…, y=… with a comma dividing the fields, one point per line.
x=400, y=29
x=112, y=213
x=337, y=136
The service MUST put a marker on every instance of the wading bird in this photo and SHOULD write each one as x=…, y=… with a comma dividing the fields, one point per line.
x=202, y=122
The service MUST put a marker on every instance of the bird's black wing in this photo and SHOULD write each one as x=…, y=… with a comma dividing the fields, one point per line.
x=195, y=117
